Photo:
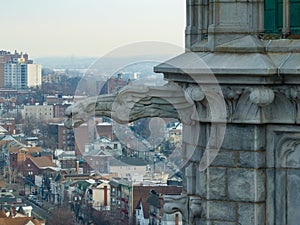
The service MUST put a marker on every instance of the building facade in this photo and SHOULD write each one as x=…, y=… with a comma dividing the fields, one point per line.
x=17, y=72
x=41, y=112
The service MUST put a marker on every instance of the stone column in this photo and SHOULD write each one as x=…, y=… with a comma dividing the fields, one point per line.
x=232, y=188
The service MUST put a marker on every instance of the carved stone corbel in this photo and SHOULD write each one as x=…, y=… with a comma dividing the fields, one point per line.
x=195, y=209
x=189, y=206
x=176, y=203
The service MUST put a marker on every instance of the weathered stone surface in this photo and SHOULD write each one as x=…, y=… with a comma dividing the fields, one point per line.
x=293, y=198
x=218, y=210
x=224, y=223
x=251, y=214
x=225, y=158
x=244, y=137
x=193, y=153
x=270, y=203
x=246, y=185
x=201, y=182
x=203, y=222
x=190, y=174
x=251, y=159
x=217, y=183
x=191, y=135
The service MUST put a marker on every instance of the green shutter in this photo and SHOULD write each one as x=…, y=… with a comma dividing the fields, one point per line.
x=273, y=16
x=295, y=16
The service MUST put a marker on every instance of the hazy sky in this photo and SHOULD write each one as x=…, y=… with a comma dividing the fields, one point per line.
x=88, y=27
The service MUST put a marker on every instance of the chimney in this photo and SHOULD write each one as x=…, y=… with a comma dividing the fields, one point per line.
x=77, y=167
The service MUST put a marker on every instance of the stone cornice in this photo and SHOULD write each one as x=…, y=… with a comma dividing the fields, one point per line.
x=233, y=68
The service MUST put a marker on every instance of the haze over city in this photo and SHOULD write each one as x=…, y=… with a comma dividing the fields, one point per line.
x=88, y=28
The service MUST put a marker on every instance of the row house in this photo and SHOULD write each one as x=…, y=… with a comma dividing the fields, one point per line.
x=13, y=152
x=126, y=197
x=99, y=195
x=76, y=139
x=8, y=124
x=156, y=214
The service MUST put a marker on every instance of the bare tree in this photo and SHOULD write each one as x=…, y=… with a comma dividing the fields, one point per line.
x=61, y=216
x=100, y=217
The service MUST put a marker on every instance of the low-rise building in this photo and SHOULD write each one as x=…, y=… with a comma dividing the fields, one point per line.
x=131, y=168
x=37, y=165
x=99, y=195
x=126, y=197
x=41, y=112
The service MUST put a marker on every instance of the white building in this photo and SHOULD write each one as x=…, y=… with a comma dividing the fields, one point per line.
x=34, y=75
x=20, y=75
x=100, y=195
x=38, y=111
x=131, y=168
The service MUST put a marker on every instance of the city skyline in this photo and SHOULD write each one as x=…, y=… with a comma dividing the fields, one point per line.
x=88, y=28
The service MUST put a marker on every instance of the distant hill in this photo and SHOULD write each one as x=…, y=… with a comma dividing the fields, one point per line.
x=65, y=62
x=101, y=62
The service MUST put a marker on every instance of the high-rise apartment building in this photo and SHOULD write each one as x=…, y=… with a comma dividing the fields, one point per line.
x=17, y=72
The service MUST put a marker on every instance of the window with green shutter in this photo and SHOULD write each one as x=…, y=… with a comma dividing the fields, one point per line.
x=274, y=16
x=295, y=16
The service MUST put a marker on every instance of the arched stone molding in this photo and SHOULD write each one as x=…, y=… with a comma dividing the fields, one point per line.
x=283, y=175
x=286, y=147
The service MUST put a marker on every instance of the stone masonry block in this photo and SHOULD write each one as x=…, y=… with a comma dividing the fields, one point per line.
x=225, y=158
x=253, y=214
x=218, y=210
x=217, y=185
x=246, y=185
x=244, y=137
x=194, y=153
x=203, y=222
x=191, y=134
x=251, y=159
x=224, y=223
x=201, y=183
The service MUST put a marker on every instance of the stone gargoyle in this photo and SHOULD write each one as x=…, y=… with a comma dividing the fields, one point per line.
x=132, y=103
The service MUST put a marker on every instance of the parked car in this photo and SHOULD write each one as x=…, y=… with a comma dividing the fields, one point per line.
x=22, y=193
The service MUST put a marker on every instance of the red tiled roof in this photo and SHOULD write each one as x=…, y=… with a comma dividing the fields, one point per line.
x=18, y=221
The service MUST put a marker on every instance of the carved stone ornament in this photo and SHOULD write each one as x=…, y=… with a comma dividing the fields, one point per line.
x=194, y=93
x=262, y=96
